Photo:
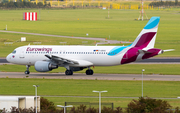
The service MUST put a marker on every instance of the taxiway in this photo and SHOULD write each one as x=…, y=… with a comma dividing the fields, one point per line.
x=91, y=77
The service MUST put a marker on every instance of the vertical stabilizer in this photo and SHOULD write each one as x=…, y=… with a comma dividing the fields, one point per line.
x=147, y=37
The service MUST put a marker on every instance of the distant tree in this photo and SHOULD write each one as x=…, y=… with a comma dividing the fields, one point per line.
x=47, y=105
x=1, y=4
x=166, y=3
x=80, y=109
x=40, y=4
x=107, y=110
x=118, y=110
x=148, y=105
x=177, y=110
x=91, y=110
x=17, y=4
x=176, y=2
x=10, y=5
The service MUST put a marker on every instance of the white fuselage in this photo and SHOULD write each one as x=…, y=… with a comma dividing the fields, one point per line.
x=97, y=55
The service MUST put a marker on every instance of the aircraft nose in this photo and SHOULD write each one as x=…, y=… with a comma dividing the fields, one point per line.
x=8, y=58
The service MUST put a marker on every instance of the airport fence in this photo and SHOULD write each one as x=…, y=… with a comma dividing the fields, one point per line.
x=90, y=105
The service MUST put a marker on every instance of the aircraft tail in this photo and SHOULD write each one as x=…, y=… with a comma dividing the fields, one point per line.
x=143, y=46
x=147, y=37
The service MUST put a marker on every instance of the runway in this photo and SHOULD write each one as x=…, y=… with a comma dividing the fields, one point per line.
x=91, y=77
x=100, y=76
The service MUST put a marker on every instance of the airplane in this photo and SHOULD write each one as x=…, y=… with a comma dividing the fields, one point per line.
x=75, y=58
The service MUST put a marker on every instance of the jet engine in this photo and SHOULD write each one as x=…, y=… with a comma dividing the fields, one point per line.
x=43, y=66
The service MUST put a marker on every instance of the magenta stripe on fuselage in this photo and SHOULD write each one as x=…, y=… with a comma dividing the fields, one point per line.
x=130, y=55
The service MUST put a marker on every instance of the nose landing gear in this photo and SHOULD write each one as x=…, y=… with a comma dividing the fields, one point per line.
x=27, y=70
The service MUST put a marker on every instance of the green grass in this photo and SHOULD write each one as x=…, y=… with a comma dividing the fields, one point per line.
x=121, y=25
x=162, y=69
x=92, y=21
x=60, y=87
x=8, y=37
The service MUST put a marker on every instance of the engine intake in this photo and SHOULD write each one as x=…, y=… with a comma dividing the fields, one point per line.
x=43, y=66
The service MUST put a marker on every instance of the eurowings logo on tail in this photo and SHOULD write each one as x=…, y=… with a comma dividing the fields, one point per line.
x=143, y=46
x=147, y=36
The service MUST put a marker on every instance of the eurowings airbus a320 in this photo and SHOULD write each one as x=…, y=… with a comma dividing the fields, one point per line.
x=75, y=58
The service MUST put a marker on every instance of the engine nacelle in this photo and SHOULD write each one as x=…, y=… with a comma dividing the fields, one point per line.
x=43, y=66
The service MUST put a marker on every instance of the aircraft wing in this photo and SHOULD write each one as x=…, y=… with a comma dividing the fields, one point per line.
x=61, y=59
x=71, y=62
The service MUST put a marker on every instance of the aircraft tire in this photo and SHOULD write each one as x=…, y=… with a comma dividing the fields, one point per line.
x=26, y=72
x=89, y=72
x=69, y=72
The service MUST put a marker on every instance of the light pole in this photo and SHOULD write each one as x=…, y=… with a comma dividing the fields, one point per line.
x=142, y=81
x=36, y=94
x=99, y=98
x=64, y=107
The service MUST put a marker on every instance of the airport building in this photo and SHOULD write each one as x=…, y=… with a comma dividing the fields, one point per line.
x=22, y=102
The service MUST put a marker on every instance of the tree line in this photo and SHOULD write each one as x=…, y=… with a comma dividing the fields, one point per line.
x=165, y=4
x=27, y=4
x=142, y=105
x=24, y=4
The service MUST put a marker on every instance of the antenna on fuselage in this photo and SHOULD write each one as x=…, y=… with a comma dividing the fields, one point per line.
x=29, y=44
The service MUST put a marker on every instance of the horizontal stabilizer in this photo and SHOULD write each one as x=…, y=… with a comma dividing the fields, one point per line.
x=143, y=51
x=168, y=50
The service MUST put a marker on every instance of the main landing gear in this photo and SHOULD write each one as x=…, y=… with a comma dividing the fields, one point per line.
x=27, y=70
x=89, y=72
x=69, y=72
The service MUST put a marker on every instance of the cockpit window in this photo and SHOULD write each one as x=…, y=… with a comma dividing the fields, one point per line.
x=14, y=52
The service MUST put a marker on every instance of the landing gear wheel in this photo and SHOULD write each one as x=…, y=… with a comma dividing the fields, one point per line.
x=69, y=72
x=89, y=72
x=26, y=72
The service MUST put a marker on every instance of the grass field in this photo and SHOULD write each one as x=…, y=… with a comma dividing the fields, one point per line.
x=79, y=22
x=6, y=49
x=162, y=69
x=60, y=87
